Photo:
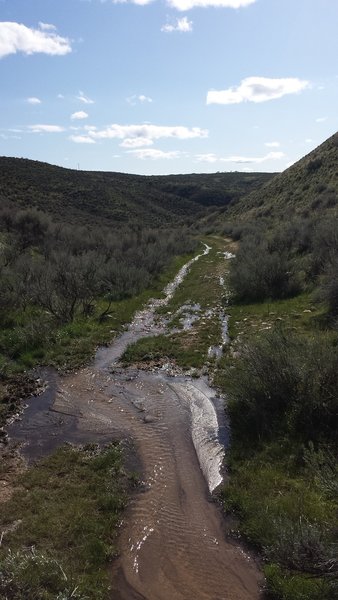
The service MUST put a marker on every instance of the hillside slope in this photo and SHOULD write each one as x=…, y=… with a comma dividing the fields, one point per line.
x=117, y=197
x=308, y=185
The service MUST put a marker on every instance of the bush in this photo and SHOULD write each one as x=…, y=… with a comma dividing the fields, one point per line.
x=282, y=585
x=285, y=385
x=261, y=271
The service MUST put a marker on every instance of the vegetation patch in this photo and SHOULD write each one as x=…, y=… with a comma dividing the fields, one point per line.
x=280, y=380
x=203, y=287
x=60, y=526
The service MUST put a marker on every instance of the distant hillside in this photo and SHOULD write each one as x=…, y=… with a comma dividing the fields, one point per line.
x=309, y=185
x=117, y=197
x=216, y=189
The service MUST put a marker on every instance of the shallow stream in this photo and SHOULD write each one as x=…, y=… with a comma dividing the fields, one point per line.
x=172, y=544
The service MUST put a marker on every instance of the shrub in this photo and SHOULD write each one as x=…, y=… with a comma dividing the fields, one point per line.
x=286, y=385
x=282, y=585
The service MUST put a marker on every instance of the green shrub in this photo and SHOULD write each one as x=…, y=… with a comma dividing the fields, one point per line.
x=282, y=585
x=281, y=384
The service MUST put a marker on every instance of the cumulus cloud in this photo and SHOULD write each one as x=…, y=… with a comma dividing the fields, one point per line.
x=321, y=119
x=46, y=26
x=80, y=114
x=147, y=132
x=212, y=158
x=33, y=100
x=181, y=25
x=83, y=98
x=138, y=98
x=81, y=139
x=257, y=89
x=45, y=128
x=16, y=37
x=154, y=154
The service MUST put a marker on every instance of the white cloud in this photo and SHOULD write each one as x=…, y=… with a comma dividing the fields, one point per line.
x=143, y=98
x=272, y=144
x=16, y=37
x=147, y=131
x=188, y=4
x=83, y=98
x=209, y=158
x=254, y=160
x=46, y=26
x=183, y=5
x=309, y=141
x=181, y=25
x=257, y=89
x=33, y=100
x=321, y=119
x=3, y=136
x=154, y=154
x=60, y=96
x=80, y=114
x=46, y=128
x=212, y=158
x=136, y=142
x=138, y=98
x=81, y=139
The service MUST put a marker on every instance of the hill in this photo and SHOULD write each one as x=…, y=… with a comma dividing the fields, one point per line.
x=117, y=197
x=309, y=185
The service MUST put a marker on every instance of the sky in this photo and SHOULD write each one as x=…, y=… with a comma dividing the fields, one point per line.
x=167, y=86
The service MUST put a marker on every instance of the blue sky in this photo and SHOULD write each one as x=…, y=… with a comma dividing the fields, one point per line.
x=167, y=86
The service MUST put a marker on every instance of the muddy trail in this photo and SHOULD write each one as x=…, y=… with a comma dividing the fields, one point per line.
x=173, y=544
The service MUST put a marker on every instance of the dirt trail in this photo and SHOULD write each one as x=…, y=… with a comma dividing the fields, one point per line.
x=172, y=543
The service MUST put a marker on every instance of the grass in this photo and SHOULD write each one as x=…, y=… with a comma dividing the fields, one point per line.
x=32, y=339
x=187, y=349
x=73, y=344
x=68, y=509
x=201, y=286
x=285, y=509
x=299, y=313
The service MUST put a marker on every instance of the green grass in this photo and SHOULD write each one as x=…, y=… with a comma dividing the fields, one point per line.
x=201, y=286
x=299, y=313
x=71, y=345
x=68, y=508
x=187, y=349
x=286, y=586
x=285, y=509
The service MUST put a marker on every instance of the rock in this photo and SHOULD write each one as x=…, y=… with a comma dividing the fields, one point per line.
x=148, y=419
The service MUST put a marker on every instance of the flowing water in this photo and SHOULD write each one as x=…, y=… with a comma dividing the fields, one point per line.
x=172, y=543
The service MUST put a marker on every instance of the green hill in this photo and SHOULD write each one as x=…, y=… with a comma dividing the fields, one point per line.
x=310, y=185
x=117, y=197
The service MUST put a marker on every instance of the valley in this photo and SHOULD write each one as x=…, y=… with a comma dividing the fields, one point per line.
x=184, y=366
